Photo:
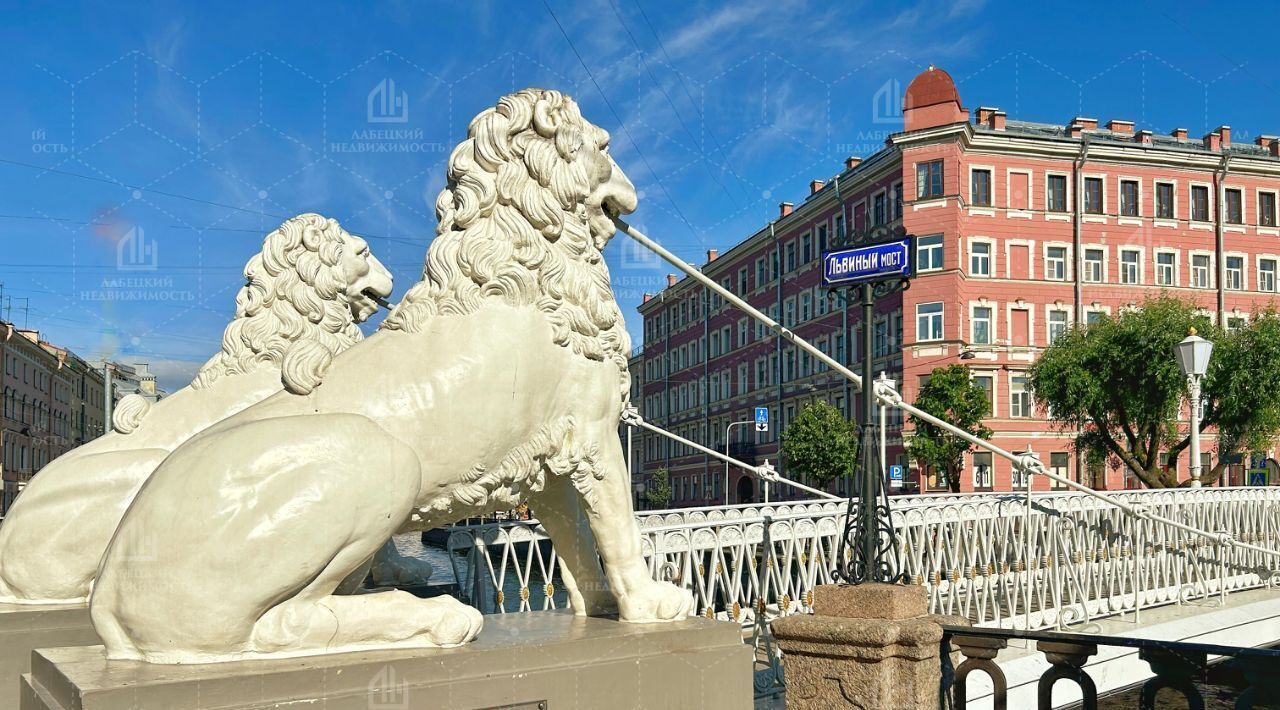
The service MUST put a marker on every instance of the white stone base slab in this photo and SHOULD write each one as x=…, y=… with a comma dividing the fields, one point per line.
x=535, y=660
x=26, y=627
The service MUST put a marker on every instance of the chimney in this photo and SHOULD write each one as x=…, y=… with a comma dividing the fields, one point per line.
x=1213, y=141
x=1271, y=143
x=851, y=162
x=814, y=186
x=1144, y=137
x=1074, y=130
x=648, y=297
x=1179, y=133
x=785, y=208
x=997, y=120
x=982, y=115
x=1116, y=125
x=712, y=254
x=1225, y=132
x=1087, y=124
x=671, y=280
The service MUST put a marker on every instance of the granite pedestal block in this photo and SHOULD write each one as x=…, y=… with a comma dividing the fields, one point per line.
x=26, y=627
x=865, y=646
x=537, y=660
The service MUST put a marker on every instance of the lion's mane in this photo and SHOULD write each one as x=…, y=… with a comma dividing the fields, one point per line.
x=292, y=313
x=513, y=226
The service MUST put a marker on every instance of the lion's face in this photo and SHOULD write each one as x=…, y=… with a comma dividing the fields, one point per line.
x=612, y=194
x=368, y=281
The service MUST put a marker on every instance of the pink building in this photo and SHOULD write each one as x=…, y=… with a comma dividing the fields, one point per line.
x=1023, y=228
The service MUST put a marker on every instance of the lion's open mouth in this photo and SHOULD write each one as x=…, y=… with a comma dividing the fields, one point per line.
x=376, y=297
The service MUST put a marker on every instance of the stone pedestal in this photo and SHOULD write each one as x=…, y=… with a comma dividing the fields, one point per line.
x=869, y=646
x=26, y=627
x=537, y=660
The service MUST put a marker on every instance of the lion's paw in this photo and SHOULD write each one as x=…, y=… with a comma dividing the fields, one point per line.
x=448, y=622
x=656, y=601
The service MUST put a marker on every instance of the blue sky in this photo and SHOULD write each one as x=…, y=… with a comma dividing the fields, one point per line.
x=144, y=151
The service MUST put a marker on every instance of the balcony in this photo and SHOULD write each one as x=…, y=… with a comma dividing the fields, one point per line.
x=743, y=450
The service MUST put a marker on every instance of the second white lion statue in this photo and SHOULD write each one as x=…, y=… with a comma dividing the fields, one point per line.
x=305, y=292
x=499, y=378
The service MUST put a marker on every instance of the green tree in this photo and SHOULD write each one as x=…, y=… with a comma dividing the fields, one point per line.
x=820, y=443
x=1118, y=382
x=952, y=396
x=658, y=492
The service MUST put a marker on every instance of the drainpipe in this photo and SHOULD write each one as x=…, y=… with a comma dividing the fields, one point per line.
x=1078, y=260
x=844, y=310
x=1078, y=208
x=706, y=382
x=1220, y=177
x=777, y=255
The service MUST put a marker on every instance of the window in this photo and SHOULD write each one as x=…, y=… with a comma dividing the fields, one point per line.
x=897, y=200
x=1200, y=271
x=1057, y=193
x=1235, y=211
x=742, y=281
x=789, y=260
x=877, y=209
x=1093, y=195
x=1059, y=465
x=806, y=249
x=762, y=272
x=1019, y=397
x=979, y=259
x=1234, y=323
x=929, y=253
x=980, y=187
x=987, y=384
x=1267, y=209
x=1267, y=275
x=929, y=321
x=1129, y=260
x=1166, y=268
x=1093, y=265
x=1055, y=263
x=1235, y=273
x=1200, y=203
x=1164, y=200
x=981, y=323
x=1129, y=198
x=1057, y=324
x=1093, y=316
x=982, y=478
x=929, y=179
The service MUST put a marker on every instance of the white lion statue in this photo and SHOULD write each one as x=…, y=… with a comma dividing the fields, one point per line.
x=305, y=293
x=499, y=378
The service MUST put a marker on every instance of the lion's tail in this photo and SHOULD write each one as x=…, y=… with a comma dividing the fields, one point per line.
x=129, y=413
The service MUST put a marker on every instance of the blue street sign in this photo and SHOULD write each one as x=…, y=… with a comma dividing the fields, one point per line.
x=1257, y=478
x=873, y=262
x=762, y=419
x=896, y=473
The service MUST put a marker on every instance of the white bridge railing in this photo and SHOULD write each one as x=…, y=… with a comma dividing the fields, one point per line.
x=1069, y=560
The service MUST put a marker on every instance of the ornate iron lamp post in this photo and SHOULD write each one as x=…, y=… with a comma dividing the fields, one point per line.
x=1193, y=358
x=875, y=269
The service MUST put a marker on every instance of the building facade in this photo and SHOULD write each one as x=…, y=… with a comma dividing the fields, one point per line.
x=52, y=402
x=1022, y=229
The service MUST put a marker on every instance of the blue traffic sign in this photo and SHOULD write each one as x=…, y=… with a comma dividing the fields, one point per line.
x=873, y=262
x=762, y=419
x=896, y=473
x=1257, y=478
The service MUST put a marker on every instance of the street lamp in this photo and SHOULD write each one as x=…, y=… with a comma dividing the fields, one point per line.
x=1193, y=357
